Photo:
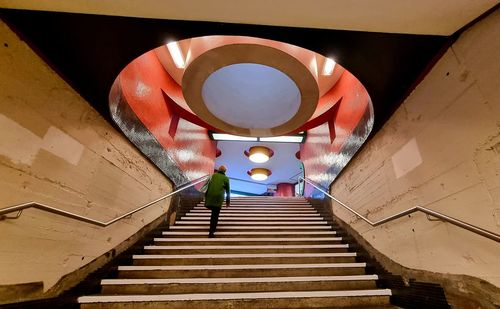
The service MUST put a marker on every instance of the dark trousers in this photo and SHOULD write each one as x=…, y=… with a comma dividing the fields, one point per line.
x=214, y=218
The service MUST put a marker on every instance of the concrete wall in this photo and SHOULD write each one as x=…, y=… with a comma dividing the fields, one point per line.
x=55, y=149
x=441, y=150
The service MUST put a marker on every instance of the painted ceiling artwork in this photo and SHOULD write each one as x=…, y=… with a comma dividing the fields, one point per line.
x=237, y=85
x=179, y=89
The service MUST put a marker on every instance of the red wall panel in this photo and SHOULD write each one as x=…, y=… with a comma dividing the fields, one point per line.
x=285, y=189
x=142, y=82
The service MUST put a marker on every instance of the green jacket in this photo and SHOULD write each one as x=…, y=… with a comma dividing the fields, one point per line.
x=215, y=193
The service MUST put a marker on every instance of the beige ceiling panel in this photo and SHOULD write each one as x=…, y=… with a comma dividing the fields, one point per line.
x=442, y=17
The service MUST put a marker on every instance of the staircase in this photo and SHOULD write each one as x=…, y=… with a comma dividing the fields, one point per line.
x=268, y=253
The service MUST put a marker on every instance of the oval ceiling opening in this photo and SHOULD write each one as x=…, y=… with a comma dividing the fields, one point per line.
x=251, y=95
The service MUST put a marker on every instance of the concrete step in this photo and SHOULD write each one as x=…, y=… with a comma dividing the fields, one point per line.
x=206, y=213
x=243, y=270
x=235, y=285
x=268, y=253
x=270, y=199
x=260, y=208
x=294, y=299
x=252, y=218
x=246, y=241
x=288, y=202
x=255, y=234
x=246, y=249
x=251, y=228
x=223, y=222
x=226, y=210
x=248, y=258
x=265, y=203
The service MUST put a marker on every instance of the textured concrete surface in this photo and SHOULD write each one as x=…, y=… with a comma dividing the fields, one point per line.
x=449, y=132
x=55, y=149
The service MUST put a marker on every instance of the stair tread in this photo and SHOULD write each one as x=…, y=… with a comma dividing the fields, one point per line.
x=227, y=296
x=251, y=218
x=207, y=214
x=275, y=227
x=224, y=222
x=283, y=239
x=251, y=233
x=246, y=266
x=240, y=280
x=312, y=273
x=242, y=255
x=251, y=247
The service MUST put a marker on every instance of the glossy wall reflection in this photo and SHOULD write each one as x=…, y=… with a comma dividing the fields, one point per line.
x=181, y=149
x=331, y=145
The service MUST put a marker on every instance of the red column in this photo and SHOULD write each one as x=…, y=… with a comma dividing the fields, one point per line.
x=285, y=189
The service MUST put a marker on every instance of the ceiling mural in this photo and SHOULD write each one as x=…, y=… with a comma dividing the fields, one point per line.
x=246, y=86
x=187, y=83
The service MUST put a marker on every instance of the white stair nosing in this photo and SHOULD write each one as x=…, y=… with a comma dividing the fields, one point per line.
x=265, y=202
x=239, y=280
x=288, y=202
x=256, y=210
x=284, y=239
x=255, y=247
x=240, y=255
x=207, y=214
x=234, y=208
x=266, y=207
x=250, y=218
x=236, y=211
x=242, y=267
x=261, y=206
x=224, y=222
x=252, y=203
x=303, y=227
x=252, y=233
x=232, y=296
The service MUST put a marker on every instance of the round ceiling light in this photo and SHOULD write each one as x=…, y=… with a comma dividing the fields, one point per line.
x=249, y=89
x=259, y=154
x=259, y=174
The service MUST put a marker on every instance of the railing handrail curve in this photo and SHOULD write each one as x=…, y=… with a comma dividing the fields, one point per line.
x=430, y=212
x=20, y=207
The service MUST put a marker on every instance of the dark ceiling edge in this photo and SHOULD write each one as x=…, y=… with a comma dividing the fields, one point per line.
x=452, y=39
x=412, y=87
x=54, y=68
x=478, y=19
x=84, y=93
x=51, y=65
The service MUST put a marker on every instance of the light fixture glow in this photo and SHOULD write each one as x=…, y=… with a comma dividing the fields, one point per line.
x=283, y=139
x=259, y=154
x=259, y=174
x=328, y=66
x=259, y=177
x=280, y=139
x=259, y=157
x=229, y=137
x=176, y=53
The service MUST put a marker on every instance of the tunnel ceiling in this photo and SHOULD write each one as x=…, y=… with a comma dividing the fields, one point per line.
x=89, y=51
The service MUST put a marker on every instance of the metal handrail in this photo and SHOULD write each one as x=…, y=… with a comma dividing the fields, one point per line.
x=20, y=207
x=430, y=212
